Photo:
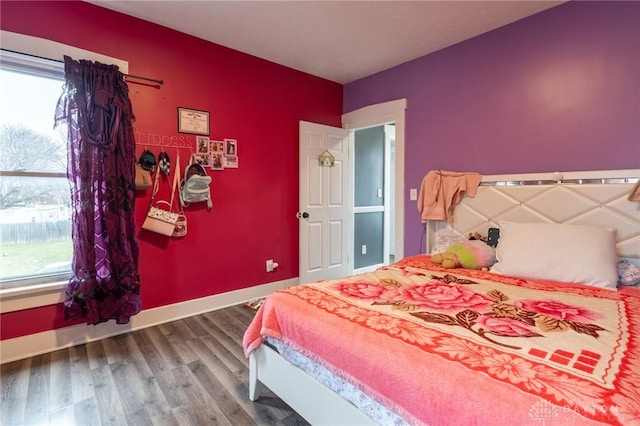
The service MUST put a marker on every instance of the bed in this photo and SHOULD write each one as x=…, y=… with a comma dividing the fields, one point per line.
x=415, y=343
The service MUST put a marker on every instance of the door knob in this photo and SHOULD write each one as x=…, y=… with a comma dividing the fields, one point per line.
x=303, y=215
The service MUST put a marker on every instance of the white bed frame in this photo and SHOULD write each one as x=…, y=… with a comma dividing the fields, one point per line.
x=311, y=399
x=593, y=198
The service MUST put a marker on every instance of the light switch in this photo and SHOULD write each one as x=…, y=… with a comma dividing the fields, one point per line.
x=413, y=194
x=379, y=192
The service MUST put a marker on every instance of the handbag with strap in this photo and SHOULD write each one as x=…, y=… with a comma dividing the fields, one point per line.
x=180, y=230
x=160, y=220
x=143, y=178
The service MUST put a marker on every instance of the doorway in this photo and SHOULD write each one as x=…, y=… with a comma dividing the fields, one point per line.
x=386, y=114
x=373, y=152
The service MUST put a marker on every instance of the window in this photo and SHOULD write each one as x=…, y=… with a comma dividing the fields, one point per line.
x=35, y=213
x=44, y=288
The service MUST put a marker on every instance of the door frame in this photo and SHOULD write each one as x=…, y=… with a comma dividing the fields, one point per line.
x=376, y=115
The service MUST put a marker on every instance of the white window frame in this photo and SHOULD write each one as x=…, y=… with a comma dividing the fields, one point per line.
x=45, y=291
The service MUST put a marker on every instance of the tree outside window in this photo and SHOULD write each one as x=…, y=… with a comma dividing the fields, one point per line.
x=35, y=215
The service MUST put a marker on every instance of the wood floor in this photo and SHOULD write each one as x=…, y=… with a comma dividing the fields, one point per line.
x=187, y=372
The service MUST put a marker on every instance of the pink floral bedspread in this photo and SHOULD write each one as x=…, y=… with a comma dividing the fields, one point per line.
x=468, y=347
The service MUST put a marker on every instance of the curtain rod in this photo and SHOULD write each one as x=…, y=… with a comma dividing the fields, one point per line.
x=62, y=62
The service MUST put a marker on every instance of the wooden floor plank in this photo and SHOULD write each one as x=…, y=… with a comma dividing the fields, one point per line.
x=129, y=349
x=191, y=415
x=86, y=412
x=179, y=329
x=195, y=327
x=112, y=349
x=63, y=416
x=244, y=312
x=227, y=403
x=221, y=373
x=15, y=383
x=97, y=354
x=187, y=372
x=60, y=395
x=200, y=410
x=37, y=409
x=176, y=334
x=146, y=384
x=165, y=419
x=183, y=377
x=110, y=410
x=168, y=352
x=219, y=332
x=228, y=350
x=81, y=383
x=130, y=392
x=230, y=323
x=160, y=371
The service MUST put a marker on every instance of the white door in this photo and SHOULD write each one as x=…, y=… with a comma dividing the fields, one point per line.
x=324, y=212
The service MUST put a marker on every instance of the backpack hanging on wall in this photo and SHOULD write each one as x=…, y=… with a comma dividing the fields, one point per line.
x=195, y=185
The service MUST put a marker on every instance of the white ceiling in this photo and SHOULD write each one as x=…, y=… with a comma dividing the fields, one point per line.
x=341, y=41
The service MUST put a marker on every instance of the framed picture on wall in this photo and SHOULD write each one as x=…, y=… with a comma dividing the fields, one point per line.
x=231, y=161
x=203, y=159
x=216, y=147
x=231, y=147
x=193, y=121
x=202, y=145
x=217, y=161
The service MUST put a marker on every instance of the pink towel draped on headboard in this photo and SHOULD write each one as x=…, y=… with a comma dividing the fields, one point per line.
x=634, y=195
x=441, y=190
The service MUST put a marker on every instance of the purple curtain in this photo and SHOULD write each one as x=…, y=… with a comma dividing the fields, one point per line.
x=95, y=106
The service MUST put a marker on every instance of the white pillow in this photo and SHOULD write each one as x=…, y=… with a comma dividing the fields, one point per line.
x=570, y=253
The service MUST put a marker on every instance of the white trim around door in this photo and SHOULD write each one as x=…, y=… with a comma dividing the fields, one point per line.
x=375, y=115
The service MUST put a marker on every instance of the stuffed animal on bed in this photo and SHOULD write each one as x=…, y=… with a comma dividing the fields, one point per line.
x=476, y=236
x=472, y=254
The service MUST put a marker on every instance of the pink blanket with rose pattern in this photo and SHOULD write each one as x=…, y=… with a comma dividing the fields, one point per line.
x=468, y=347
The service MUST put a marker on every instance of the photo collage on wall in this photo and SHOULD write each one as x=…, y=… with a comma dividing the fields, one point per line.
x=215, y=154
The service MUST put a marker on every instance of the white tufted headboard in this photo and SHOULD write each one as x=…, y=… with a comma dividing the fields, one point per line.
x=597, y=198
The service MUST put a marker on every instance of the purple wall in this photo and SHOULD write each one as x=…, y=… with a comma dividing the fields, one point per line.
x=558, y=91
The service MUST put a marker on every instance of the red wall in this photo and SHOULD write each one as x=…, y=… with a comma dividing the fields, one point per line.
x=254, y=101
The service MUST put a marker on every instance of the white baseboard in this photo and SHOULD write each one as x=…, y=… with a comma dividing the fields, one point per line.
x=51, y=340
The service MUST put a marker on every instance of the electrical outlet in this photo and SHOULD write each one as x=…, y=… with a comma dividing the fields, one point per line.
x=364, y=249
x=271, y=265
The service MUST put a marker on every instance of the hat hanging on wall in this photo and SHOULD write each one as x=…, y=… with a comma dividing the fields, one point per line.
x=163, y=163
x=147, y=160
